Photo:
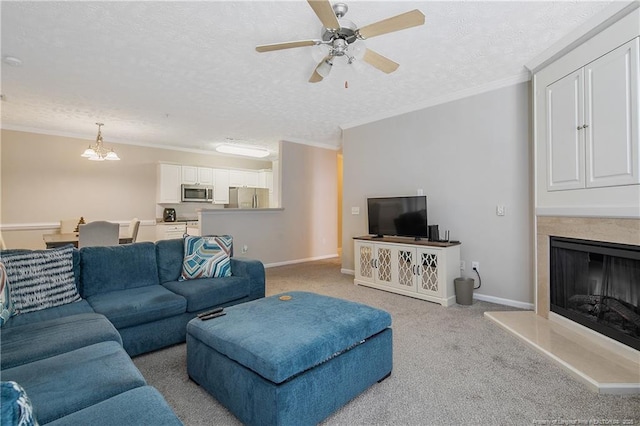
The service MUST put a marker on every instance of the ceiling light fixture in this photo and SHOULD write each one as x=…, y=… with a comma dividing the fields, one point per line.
x=98, y=152
x=242, y=150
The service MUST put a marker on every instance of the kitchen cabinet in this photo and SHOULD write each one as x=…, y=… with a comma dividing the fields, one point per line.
x=265, y=180
x=221, y=186
x=592, y=123
x=241, y=178
x=170, y=230
x=192, y=175
x=168, y=183
x=418, y=269
x=193, y=228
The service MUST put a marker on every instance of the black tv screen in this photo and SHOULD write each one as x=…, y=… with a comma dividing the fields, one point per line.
x=398, y=216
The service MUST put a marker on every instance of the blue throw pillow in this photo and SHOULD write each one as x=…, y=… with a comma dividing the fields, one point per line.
x=15, y=406
x=41, y=279
x=6, y=307
x=206, y=257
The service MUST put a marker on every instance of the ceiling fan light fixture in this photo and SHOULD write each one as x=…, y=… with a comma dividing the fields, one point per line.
x=242, y=150
x=324, y=68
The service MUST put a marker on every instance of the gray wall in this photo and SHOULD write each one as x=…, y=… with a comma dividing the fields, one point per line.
x=305, y=228
x=468, y=156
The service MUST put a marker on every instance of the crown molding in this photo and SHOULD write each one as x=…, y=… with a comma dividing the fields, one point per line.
x=498, y=84
x=118, y=141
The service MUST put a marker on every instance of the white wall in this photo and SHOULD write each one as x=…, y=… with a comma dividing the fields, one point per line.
x=468, y=156
x=305, y=228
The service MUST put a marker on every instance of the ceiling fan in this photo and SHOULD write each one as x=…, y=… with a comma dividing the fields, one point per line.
x=338, y=34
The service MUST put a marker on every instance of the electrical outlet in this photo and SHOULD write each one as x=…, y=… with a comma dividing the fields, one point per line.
x=500, y=210
x=245, y=248
x=463, y=265
x=476, y=266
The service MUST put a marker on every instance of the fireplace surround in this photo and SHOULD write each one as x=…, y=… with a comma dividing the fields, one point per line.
x=603, y=364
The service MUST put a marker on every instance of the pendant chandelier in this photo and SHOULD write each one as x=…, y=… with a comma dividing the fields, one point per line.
x=98, y=152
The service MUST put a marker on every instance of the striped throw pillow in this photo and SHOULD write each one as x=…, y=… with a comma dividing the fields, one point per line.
x=41, y=279
x=206, y=257
x=6, y=307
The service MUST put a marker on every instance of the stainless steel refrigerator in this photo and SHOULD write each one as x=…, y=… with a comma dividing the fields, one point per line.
x=249, y=198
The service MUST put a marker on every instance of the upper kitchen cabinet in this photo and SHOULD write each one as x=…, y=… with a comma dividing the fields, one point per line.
x=221, y=186
x=242, y=178
x=592, y=123
x=192, y=175
x=169, y=177
x=265, y=179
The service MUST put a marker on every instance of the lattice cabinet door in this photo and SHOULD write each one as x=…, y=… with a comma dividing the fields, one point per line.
x=404, y=267
x=384, y=264
x=365, y=261
x=430, y=272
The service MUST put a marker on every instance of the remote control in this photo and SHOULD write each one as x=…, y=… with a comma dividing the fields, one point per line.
x=213, y=311
x=216, y=315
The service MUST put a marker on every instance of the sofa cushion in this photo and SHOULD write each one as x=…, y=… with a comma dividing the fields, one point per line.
x=143, y=405
x=6, y=307
x=140, y=305
x=169, y=254
x=204, y=293
x=65, y=383
x=35, y=341
x=79, y=307
x=41, y=279
x=206, y=257
x=107, y=269
x=15, y=406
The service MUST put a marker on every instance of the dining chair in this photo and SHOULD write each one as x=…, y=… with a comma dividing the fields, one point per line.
x=133, y=229
x=99, y=233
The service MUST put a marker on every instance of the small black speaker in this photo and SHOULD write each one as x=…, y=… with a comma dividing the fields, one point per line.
x=434, y=233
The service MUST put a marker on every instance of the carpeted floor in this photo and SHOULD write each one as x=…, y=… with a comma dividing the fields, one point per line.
x=451, y=366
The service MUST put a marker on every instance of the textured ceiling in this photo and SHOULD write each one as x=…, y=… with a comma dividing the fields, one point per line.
x=186, y=73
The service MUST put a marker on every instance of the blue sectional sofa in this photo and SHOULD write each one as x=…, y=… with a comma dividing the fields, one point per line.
x=73, y=360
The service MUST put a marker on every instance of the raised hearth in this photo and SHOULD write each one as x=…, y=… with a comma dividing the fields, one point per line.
x=599, y=361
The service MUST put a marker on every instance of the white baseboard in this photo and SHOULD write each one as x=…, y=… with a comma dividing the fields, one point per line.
x=347, y=271
x=308, y=259
x=507, y=302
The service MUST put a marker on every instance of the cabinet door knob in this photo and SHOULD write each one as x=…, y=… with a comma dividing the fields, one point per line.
x=580, y=127
x=585, y=126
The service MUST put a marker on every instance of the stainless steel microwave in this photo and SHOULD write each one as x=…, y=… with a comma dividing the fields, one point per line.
x=197, y=193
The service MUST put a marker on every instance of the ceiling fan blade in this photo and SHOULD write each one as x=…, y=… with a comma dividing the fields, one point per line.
x=395, y=23
x=286, y=45
x=384, y=64
x=316, y=76
x=325, y=13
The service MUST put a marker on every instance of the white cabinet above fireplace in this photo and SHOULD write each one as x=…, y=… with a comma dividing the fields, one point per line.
x=592, y=123
x=587, y=126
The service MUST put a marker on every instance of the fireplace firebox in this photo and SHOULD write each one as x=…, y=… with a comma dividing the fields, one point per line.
x=597, y=284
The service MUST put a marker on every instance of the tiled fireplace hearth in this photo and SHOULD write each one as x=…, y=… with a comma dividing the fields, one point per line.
x=605, y=364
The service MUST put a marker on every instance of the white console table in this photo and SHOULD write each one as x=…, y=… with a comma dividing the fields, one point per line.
x=420, y=269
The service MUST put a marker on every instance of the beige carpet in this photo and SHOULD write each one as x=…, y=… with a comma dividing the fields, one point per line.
x=451, y=366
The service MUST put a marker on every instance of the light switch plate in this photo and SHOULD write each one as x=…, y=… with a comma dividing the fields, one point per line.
x=355, y=210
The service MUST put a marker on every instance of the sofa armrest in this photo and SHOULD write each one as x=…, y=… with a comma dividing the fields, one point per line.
x=252, y=269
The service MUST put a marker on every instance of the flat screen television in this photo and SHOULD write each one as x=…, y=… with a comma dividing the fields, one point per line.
x=398, y=216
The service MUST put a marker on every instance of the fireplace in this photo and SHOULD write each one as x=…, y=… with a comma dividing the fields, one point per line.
x=597, y=284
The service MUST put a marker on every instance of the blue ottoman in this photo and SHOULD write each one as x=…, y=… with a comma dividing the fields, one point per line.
x=290, y=362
